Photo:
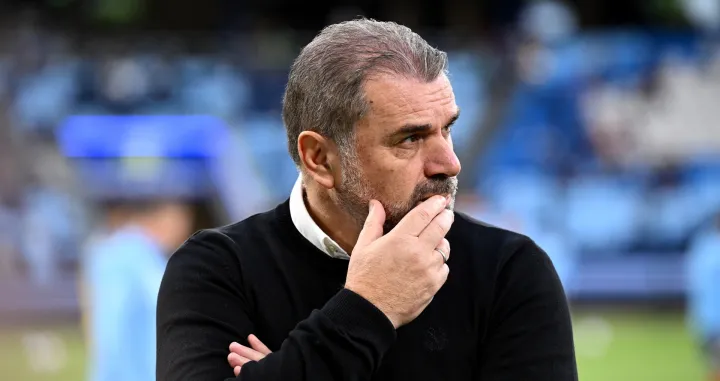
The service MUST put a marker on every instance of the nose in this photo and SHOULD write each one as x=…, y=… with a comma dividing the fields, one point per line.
x=442, y=159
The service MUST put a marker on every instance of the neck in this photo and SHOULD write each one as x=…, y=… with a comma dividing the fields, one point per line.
x=330, y=218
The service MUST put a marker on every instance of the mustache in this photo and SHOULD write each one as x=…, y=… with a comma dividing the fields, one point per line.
x=445, y=186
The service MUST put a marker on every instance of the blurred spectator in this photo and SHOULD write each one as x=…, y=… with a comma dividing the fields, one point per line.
x=53, y=219
x=122, y=270
x=703, y=292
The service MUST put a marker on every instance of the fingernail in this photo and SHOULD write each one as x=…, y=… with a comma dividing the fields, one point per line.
x=370, y=207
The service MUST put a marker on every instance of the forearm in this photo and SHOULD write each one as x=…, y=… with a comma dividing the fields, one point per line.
x=345, y=340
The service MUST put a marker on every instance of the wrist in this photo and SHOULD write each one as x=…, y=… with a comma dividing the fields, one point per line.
x=370, y=298
x=357, y=316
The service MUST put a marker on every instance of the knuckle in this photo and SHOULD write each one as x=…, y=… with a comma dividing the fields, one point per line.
x=430, y=274
x=424, y=214
x=440, y=228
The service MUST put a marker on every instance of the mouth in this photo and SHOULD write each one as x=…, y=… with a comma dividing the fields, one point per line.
x=446, y=195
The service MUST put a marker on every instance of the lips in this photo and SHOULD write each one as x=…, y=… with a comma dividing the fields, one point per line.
x=446, y=195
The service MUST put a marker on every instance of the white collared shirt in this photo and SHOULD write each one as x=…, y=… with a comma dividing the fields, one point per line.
x=308, y=228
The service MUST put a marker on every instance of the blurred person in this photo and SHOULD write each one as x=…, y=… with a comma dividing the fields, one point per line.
x=122, y=270
x=352, y=277
x=47, y=237
x=703, y=273
x=12, y=211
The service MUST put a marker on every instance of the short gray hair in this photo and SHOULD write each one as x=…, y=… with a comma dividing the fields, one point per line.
x=325, y=93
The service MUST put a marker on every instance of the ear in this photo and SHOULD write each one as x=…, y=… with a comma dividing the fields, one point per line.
x=320, y=158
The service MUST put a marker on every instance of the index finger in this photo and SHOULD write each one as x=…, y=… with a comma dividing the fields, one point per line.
x=420, y=217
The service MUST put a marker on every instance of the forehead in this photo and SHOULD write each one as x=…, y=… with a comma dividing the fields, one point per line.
x=395, y=101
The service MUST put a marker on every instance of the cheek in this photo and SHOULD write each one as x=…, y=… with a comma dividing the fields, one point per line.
x=394, y=185
x=389, y=178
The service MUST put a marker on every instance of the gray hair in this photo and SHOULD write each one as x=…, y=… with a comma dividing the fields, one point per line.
x=325, y=87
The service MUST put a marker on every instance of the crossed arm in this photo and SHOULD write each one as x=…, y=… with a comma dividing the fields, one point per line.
x=201, y=310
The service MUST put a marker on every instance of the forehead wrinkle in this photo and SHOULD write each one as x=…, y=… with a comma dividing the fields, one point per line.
x=409, y=101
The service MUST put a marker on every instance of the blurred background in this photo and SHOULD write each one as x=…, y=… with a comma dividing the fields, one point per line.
x=592, y=126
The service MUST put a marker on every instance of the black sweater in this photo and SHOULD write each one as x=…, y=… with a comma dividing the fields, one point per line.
x=501, y=315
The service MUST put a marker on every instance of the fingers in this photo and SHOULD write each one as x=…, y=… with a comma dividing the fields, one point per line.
x=373, y=228
x=258, y=345
x=444, y=273
x=421, y=216
x=246, y=352
x=437, y=229
x=444, y=247
x=235, y=360
x=241, y=355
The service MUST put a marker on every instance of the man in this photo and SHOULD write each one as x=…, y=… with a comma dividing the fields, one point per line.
x=703, y=272
x=122, y=270
x=352, y=277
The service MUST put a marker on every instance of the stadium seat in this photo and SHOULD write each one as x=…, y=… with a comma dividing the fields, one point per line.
x=265, y=135
x=467, y=82
x=44, y=99
x=220, y=92
x=528, y=195
x=602, y=214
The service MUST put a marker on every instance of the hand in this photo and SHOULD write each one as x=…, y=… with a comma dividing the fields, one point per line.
x=241, y=355
x=400, y=272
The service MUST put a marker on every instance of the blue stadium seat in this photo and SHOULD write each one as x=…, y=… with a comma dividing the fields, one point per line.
x=468, y=86
x=265, y=135
x=220, y=92
x=671, y=215
x=705, y=191
x=603, y=214
x=44, y=99
x=528, y=195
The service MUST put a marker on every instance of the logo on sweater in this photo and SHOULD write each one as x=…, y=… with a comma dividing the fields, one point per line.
x=435, y=339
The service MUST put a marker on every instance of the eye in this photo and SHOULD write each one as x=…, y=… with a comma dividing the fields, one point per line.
x=411, y=139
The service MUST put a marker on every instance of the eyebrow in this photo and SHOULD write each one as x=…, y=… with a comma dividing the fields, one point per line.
x=409, y=129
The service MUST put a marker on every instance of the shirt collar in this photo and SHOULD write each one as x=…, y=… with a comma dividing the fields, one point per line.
x=308, y=228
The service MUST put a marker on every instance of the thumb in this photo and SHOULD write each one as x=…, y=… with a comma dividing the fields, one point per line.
x=373, y=228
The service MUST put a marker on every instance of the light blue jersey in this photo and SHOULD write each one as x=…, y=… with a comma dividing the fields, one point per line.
x=703, y=272
x=122, y=275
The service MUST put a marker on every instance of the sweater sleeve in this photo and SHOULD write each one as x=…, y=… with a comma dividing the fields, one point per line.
x=202, y=308
x=529, y=334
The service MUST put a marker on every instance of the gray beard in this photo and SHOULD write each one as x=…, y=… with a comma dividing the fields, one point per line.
x=354, y=195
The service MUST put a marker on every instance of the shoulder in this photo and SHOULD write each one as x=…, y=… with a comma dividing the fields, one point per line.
x=221, y=246
x=233, y=236
x=109, y=253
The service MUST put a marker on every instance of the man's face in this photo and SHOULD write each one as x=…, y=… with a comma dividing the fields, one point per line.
x=404, y=152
